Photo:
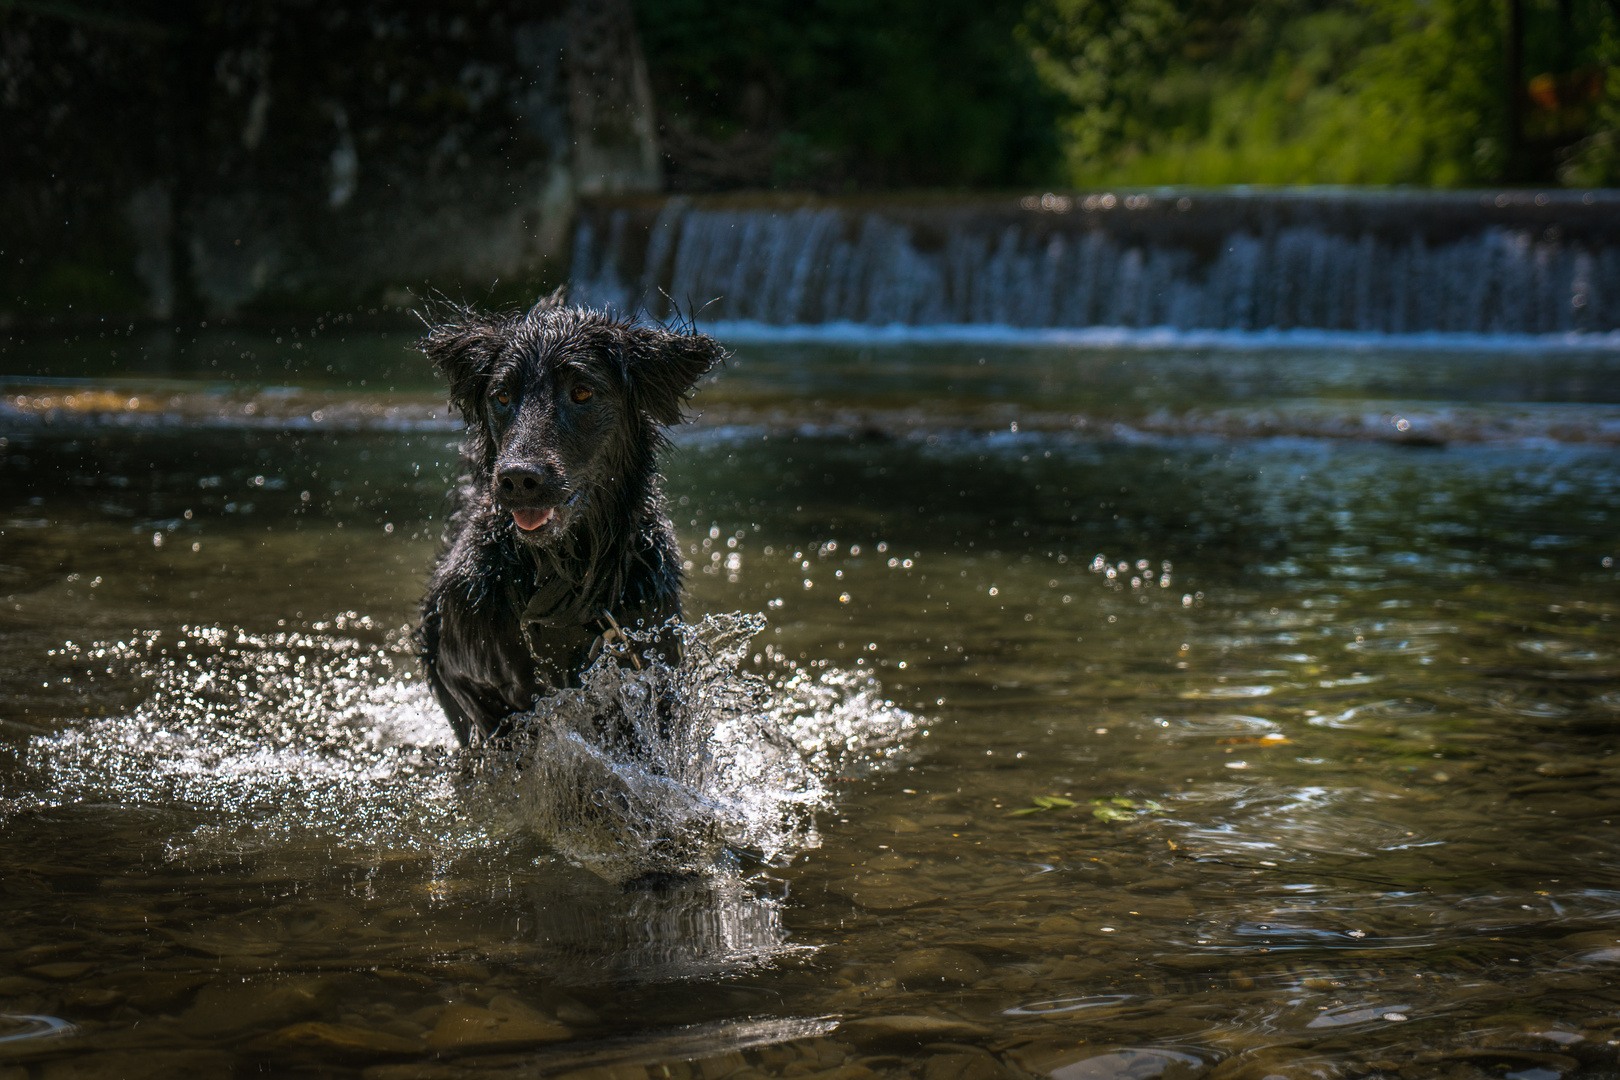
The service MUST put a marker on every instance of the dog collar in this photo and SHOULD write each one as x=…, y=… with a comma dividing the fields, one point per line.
x=546, y=608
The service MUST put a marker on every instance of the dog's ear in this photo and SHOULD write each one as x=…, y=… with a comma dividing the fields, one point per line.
x=464, y=348
x=662, y=365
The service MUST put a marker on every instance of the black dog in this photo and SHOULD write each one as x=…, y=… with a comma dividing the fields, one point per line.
x=558, y=540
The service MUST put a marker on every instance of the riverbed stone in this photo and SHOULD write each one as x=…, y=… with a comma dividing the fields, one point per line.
x=907, y=1030
x=720, y=1066
x=1283, y=1062
x=1154, y=907
x=606, y=1072
x=965, y=1065
x=882, y=892
x=154, y=990
x=1191, y=961
x=1072, y=1059
x=1566, y=768
x=139, y=1065
x=222, y=944
x=61, y=971
x=1131, y=1063
x=342, y=1039
x=572, y=1011
x=1561, y=1064
x=465, y=971
x=924, y=968
x=223, y=1008
x=423, y=1071
x=1075, y=967
x=504, y=1023
x=91, y=997
x=849, y=1071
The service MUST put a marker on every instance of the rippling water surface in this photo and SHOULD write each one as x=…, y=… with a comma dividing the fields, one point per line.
x=1079, y=713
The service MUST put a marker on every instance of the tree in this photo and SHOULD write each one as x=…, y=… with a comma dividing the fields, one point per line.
x=1332, y=91
x=839, y=94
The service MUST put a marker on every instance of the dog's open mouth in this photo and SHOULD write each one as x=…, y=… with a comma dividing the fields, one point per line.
x=531, y=519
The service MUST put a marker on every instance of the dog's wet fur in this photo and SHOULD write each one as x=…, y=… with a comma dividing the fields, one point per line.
x=558, y=529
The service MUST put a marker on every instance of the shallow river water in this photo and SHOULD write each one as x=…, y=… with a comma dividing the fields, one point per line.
x=1163, y=712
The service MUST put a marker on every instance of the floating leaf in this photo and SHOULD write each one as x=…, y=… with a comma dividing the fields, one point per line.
x=1119, y=808
x=1114, y=808
x=1044, y=803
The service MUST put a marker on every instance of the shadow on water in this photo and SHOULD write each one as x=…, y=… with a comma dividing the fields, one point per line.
x=1066, y=751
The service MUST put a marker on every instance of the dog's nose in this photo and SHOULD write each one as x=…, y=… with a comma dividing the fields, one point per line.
x=518, y=481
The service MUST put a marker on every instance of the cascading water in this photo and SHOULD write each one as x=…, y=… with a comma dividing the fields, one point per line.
x=1392, y=263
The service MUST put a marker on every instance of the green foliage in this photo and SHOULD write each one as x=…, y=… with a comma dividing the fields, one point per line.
x=1119, y=808
x=838, y=93
x=1042, y=803
x=1323, y=91
x=1113, y=808
x=844, y=93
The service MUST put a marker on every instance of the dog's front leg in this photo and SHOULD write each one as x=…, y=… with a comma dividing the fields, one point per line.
x=480, y=670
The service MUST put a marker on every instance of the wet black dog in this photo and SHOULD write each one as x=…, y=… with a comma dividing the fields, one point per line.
x=558, y=540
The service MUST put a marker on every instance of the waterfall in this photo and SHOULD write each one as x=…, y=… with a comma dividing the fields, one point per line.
x=1321, y=259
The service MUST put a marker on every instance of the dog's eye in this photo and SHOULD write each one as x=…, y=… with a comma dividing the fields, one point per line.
x=581, y=394
x=502, y=398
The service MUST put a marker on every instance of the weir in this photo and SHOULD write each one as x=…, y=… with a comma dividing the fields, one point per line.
x=1394, y=262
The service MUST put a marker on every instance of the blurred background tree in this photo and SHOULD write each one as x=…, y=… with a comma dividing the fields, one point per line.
x=1434, y=92
x=840, y=94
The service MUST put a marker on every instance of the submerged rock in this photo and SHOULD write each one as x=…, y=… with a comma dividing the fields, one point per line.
x=882, y=892
x=141, y=1065
x=1566, y=768
x=965, y=1065
x=938, y=967
x=904, y=1030
x=223, y=1008
x=67, y=969
x=343, y=1038
x=506, y=1022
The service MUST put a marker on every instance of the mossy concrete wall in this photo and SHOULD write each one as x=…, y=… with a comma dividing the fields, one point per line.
x=254, y=158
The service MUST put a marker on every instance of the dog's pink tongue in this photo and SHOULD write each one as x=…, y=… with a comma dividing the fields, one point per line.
x=530, y=520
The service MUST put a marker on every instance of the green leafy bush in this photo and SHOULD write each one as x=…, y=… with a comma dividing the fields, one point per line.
x=1345, y=92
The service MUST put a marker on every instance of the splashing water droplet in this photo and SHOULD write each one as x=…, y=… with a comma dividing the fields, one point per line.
x=676, y=770
x=320, y=741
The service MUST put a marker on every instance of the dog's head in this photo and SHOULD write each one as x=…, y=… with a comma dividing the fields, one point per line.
x=565, y=406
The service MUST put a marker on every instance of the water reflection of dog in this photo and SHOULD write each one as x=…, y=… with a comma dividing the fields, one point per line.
x=585, y=933
x=558, y=541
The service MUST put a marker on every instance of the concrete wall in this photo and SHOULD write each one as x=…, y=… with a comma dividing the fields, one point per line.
x=255, y=157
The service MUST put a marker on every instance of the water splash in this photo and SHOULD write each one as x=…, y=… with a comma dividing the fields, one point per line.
x=316, y=738
x=325, y=740
x=675, y=770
